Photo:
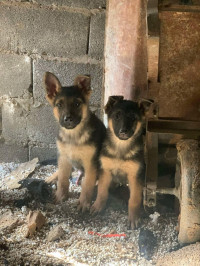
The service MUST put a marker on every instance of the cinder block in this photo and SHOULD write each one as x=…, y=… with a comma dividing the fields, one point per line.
x=97, y=32
x=14, y=123
x=41, y=125
x=75, y=3
x=43, y=30
x=15, y=74
x=13, y=153
x=67, y=72
x=43, y=154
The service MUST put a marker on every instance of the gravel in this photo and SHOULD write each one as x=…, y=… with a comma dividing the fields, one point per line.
x=76, y=246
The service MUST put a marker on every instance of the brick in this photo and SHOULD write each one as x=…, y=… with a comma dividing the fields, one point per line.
x=43, y=30
x=75, y=3
x=66, y=72
x=14, y=123
x=43, y=154
x=13, y=153
x=41, y=125
x=97, y=32
x=15, y=74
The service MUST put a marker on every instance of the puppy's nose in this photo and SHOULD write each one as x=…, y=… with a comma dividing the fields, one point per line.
x=68, y=118
x=123, y=131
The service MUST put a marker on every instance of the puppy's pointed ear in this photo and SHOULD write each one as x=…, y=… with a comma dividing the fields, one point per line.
x=145, y=105
x=84, y=83
x=112, y=100
x=52, y=86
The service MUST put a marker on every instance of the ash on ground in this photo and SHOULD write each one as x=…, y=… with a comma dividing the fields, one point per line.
x=74, y=245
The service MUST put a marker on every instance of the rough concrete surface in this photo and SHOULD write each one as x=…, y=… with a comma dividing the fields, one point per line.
x=14, y=123
x=75, y=3
x=43, y=31
x=64, y=37
x=97, y=31
x=43, y=153
x=41, y=125
x=15, y=74
x=13, y=152
x=67, y=72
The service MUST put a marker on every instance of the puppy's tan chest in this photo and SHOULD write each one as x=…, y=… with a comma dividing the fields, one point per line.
x=80, y=153
x=117, y=166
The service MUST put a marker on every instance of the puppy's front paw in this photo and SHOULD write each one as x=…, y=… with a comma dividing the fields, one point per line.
x=83, y=205
x=52, y=179
x=96, y=207
x=134, y=220
x=61, y=195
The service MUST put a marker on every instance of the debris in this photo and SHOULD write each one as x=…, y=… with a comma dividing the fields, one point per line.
x=39, y=189
x=154, y=217
x=22, y=172
x=147, y=242
x=76, y=246
x=24, y=209
x=77, y=176
x=106, y=235
x=3, y=246
x=8, y=221
x=35, y=222
x=55, y=233
x=22, y=202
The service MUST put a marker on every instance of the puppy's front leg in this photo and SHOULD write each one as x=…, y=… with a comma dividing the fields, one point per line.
x=53, y=178
x=134, y=201
x=87, y=189
x=102, y=195
x=64, y=171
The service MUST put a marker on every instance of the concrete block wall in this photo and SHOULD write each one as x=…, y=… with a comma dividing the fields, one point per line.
x=65, y=37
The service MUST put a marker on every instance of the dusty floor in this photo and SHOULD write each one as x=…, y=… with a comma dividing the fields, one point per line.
x=76, y=246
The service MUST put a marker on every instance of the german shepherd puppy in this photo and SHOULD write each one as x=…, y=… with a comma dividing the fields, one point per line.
x=122, y=156
x=80, y=136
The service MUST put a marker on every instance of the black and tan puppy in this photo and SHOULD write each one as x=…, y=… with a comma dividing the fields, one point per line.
x=80, y=136
x=122, y=157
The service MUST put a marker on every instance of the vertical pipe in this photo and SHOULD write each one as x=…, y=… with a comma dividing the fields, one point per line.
x=126, y=49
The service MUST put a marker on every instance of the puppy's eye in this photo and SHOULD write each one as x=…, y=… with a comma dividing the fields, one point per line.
x=77, y=103
x=117, y=116
x=59, y=105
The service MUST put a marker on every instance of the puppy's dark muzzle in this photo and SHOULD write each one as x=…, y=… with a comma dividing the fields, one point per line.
x=68, y=122
x=123, y=134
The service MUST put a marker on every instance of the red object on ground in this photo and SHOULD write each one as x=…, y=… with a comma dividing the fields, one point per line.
x=106, y=235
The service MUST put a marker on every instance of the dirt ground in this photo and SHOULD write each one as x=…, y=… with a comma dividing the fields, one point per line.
x=76, y=246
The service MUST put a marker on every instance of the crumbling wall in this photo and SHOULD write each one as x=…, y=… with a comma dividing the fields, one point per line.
x=65, y=37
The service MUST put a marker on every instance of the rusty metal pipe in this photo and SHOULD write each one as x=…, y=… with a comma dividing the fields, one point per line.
x=126, y=49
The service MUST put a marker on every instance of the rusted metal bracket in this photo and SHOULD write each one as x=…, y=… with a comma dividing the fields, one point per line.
x=169, y=191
